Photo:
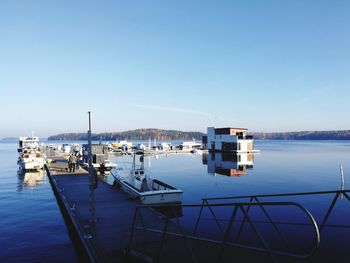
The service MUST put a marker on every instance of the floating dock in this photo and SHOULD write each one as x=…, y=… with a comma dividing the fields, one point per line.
x=105, y=239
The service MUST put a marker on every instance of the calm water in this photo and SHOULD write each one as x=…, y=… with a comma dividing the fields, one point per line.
x=33, y=230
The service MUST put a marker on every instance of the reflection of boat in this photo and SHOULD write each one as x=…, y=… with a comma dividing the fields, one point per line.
x=30, y=156
x=231, y=164
x=197, y=151
x=33, y=178
x=30, y=179
x=148, y=190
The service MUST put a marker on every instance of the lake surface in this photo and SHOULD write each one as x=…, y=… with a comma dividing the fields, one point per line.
x=33, y=229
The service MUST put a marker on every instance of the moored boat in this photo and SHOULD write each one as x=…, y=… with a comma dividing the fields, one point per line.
x=30, y=157
x=145, y=188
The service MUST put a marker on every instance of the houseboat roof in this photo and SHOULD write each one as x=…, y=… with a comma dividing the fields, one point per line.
x=230, y=131
x=230, y=128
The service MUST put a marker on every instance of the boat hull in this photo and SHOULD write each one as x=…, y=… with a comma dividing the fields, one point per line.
x=31, y=164
x=164, y=198
x=152, y=197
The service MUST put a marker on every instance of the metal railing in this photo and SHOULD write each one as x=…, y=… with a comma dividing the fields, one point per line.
x=169, y=225
x=338, y=194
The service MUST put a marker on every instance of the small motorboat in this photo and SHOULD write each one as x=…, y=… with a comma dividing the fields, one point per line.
x=148, y=190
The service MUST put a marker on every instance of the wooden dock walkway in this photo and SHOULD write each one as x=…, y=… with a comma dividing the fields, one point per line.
x=114, y=212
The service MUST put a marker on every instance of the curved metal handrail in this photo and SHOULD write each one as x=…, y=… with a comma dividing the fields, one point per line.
x=237, y=205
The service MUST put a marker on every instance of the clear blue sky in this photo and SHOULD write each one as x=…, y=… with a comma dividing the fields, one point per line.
x=264, y=65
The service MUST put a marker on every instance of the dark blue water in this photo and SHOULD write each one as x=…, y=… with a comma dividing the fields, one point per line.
x=33, y=229
x=281, y=166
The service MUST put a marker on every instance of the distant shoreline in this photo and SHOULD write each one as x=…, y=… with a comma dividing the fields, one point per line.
x=157, y=134
x=164, y=135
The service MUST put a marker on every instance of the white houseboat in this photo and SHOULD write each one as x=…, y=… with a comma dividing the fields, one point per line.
x=30, y=157
x=229, y=140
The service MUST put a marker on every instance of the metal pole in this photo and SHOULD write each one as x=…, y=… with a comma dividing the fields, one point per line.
x=342, y=180
x=91, y=177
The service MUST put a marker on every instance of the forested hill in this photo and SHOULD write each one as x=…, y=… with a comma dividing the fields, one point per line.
x=139, y=134
x=304, y=135
x=145, y=134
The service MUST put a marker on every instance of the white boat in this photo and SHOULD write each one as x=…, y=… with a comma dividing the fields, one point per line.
x=148, y=190
x=190, y=145
x=30, y=157
x=105, y=167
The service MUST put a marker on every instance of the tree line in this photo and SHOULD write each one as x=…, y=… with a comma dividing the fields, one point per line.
x=139, y=134
x=164, y=135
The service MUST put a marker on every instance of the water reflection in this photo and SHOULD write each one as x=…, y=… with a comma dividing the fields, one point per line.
x=30, y=179
x=230, y=163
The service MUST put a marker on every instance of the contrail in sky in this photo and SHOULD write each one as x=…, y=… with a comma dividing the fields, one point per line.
x=213, y=115
x=172, y=109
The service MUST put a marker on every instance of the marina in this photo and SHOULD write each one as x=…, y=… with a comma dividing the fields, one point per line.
x=220, y=132
x=115, y=210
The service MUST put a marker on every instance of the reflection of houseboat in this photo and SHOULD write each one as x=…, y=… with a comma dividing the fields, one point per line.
x=30, y=156
x=197, y=151
x=231, y=164
x=229, y=140
x=148, y=190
